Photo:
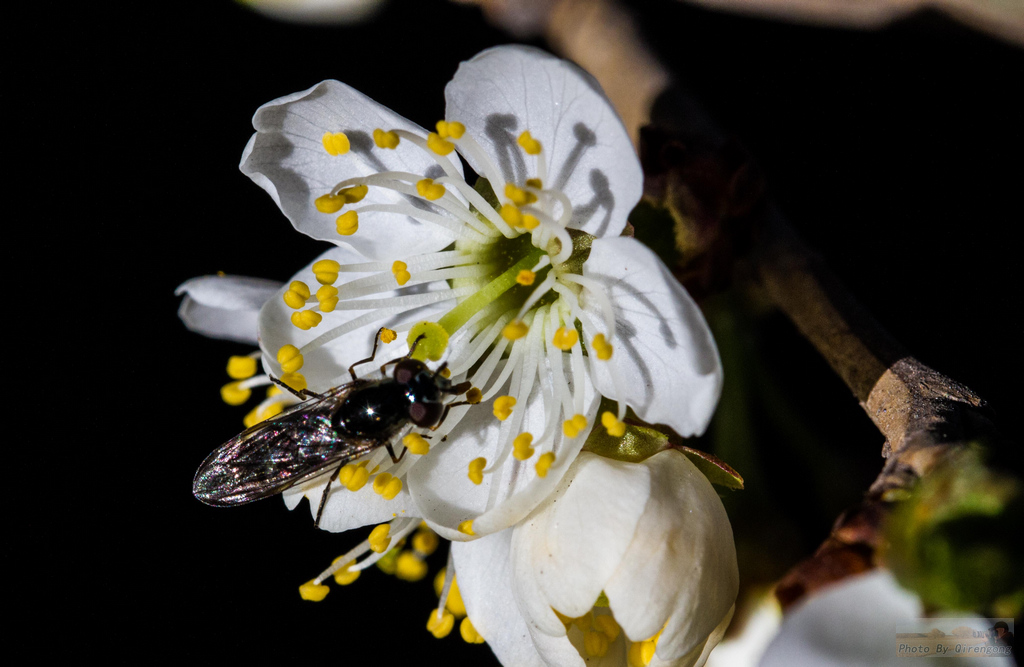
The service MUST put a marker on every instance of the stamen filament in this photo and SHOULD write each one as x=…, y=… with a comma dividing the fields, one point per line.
x=460, y=314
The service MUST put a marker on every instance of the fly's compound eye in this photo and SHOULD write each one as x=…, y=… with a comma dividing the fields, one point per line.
x=407, y=369
x=425, y=414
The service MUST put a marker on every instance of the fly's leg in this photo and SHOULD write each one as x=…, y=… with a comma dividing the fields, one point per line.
x=304, y=394
x=323, y=496
x=383, y=369
x=373, y=353
x=391, y=451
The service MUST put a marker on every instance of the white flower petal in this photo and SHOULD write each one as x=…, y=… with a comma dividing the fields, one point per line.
x=444, y=493
x=702, y=651
x=506, y=90
x=286, y=157
x=327, y=366
x=576, y=544
x=224, y=306
x=689, y=573
x=667, y=363
x=484, y=575
x=346, y=509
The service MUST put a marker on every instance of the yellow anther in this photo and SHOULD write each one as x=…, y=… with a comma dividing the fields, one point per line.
x=544, y=463
x=381, y=481
x=439, y=145
x=566, y=620
x=429, y=190
x=440, y=626
x=354, y=194
x=348, y=223
x=306, y=319
x=336, y=143
x=565, y=338
x=476, y=470
x=399, y=270
x=273, y=390
x=388, y=563
x=313, y=591
x=585, y=622
x=466, y=527
x=647, y=650
x=511, y=214
x=469, y=633
x=515, y=330
x=503, y=407
x=345, y=474
x=519, y=196
x=522, y=446
x=572, y=427
x=328, y=298
x=595, y=644
x=357, y=479
x=256, y=415
x=415, y=443
x=391, y=489
x=530, y=222
x=296, y=381
x=297, y=294
x=529, y=144
x=326, y=271
x=453, y=129
x=240, y=368
x=602, y=347
x=380, y=538
x=345, y=576
x=385, y=139
x=474, y=396
x=430, y=339
x=446, y=372
x=534, y=183
x=454, y=604
x=233, y=393
x=425, y=541
x=606, y=624
x=526, y=277
x=611, y=423
x=330, y=203
x=388, y=335
x=290, y=358
x=410, y=567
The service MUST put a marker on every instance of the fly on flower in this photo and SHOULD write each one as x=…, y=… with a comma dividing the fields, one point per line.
x=326, y=433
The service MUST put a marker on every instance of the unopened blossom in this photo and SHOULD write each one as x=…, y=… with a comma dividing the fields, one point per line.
x=625, y=564
x=524, y=286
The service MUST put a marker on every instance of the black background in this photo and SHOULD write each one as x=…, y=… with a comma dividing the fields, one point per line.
x=896, y=153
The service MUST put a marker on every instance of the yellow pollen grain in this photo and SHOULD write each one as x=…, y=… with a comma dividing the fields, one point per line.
x=602, y=347
x=446, y=372
x=526, y=277
x=476, y=470
x=503, y=407
x=439, y=145
x=515, y=330
x=469, y=633
x=328, y=298
x=354, y=194
x=290, y=359
x=345, y=576
x=410, y=567
x=425, y=541
x=608, y=626
x=530, y=222
x=330, y=203
x=534, y=183
x=234, y=394
x=565, y=338
x=358, y=478
x=522, y=447
x=429, y=190
x=529, y=144
x=440, y=626
x=572, y=427
x=347, y=224
x=416, y=444
x=466, y=527
x=385, y=139
x=474, y=395
x=296, y=295
x=306, y=319
x=595, y=644
x=380, y=538
x=511, y=214
x=399, y=270
x=313, y=591
x=326, y=271
x=296, y=381
x=611, y=423
x=544, y=463
x=240, y=368
x=336, y=143
x=387, y=335
x=452, y=130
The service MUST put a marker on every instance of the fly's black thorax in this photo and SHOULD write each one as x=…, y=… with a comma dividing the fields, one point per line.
x=381, y=408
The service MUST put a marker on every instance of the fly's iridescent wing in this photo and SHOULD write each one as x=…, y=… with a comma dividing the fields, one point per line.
x=271, y=456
